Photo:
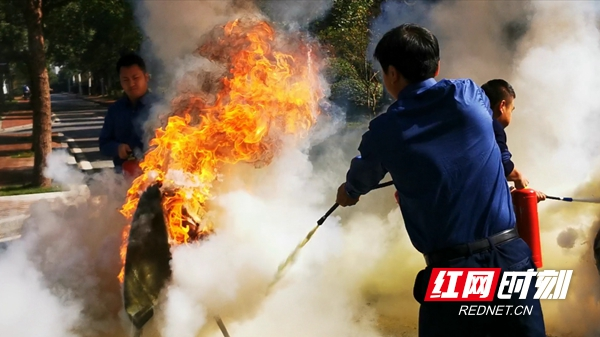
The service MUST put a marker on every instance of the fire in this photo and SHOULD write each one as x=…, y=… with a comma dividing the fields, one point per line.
x=271, y=90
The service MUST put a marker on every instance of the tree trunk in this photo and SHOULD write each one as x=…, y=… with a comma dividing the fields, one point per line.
x=40, y=92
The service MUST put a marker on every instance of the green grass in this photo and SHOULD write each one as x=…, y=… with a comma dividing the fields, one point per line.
x=26, y=189
x=24, y=154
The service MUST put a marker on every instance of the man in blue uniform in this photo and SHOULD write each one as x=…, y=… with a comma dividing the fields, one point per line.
x=122, y=133
x=502, y=102
x=437, y=143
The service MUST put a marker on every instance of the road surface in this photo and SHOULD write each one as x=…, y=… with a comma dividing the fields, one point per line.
x=80, y=122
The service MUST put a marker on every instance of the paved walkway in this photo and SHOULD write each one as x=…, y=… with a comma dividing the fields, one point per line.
x=73, y=118
x=16, y=157
x=19, y=116
x=81, y=129
x=103, y=101
x=15, y=209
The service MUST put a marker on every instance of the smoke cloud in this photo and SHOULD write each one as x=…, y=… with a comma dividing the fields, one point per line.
x=567, y=238
x=555, y=120
x=480, y=48
x=295, y=13
x=59, y=278
x=29, y=308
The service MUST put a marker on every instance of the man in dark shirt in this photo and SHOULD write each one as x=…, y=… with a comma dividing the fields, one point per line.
x=122, y=133
x=437, y=143
x=502, y=101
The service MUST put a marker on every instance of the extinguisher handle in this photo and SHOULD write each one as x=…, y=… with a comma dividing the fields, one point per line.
x=336, y=205
x=560, y=198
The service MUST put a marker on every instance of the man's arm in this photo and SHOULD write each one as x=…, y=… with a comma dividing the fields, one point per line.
x=500, y=136
x=366, y=170
x=510, y=171
x=108, y=144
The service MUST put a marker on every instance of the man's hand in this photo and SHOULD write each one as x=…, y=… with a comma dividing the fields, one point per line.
x=521, y=183
x=343, y=199
x=540, y=196
x=124, y=151
x=519, y=179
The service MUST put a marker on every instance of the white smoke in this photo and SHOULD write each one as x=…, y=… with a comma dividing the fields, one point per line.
x=567, y=238
x=563, y=43
x=29, y=308
x=480, y=48
x=228, y=275
x=553, y=132
x=59, y=278
x=295, y=13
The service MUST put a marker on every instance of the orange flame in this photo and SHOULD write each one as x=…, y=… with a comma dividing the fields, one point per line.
x=267, y=94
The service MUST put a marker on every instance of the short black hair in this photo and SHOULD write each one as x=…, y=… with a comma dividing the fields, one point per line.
x=130, y=59
x=413, y=50
x=497, y=90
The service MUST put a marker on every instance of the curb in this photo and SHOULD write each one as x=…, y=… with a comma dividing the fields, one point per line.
x=11, y=227
x=64, y=144
x=16, y=128
x=67, y=143
x=74, y=191
x=82, y=165
x=101, y=103
x=33, y=196
x=13, y=128
x=23, y=127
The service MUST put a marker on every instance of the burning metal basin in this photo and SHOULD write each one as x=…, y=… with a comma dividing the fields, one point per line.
x=147, y=266
x=596, y=248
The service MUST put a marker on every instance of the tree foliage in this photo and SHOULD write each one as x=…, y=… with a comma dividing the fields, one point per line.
x=81, y=36
x=346, y=34
x=98, y=31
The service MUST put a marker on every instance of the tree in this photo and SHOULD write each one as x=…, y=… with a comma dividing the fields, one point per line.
x=80, y=35
x=13, y=42
x=40, y=91
x=346, y=32
x=89, y=36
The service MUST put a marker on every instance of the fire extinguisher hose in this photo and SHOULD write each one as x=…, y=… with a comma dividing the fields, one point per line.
x=569, y=199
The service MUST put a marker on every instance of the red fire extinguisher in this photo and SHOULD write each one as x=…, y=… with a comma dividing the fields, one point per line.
x=525, y=205
x=131, y=168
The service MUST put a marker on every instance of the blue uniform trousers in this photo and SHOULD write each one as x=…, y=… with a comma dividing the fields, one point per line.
x=443, y=319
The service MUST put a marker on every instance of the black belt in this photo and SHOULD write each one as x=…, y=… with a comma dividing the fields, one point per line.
x=441, y=257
